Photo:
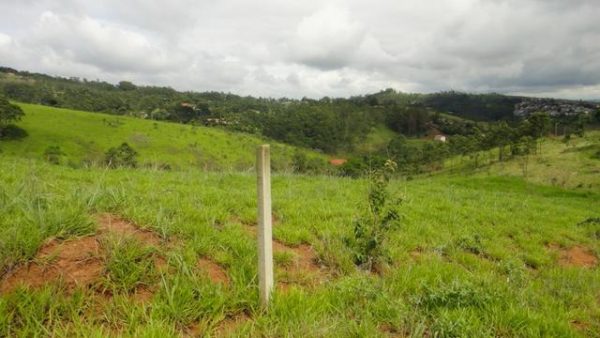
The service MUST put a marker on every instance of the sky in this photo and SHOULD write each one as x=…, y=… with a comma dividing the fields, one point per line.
x=279, y=48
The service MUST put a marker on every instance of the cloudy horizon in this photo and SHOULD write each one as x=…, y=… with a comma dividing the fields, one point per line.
x=313, y=48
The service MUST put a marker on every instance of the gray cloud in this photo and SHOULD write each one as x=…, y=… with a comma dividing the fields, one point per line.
x=313, y=48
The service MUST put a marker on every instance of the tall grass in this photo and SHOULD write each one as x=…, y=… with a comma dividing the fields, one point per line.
x=472, y=257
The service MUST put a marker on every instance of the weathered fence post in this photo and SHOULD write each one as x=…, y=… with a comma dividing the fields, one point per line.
x=265, y=233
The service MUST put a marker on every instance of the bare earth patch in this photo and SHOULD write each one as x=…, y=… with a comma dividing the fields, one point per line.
x=213, y=270
x=577, y=256
x=302, y=270
x=78, y=262
x=112, y=224
x=230, y=324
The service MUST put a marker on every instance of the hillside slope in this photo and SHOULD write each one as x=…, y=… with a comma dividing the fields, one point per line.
x=574, y=164
x=84, y=138
x=473, y=257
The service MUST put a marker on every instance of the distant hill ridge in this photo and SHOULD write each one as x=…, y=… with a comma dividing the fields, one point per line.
x=127, y=98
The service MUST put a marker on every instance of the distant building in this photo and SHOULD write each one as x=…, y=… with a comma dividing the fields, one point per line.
x=440, y=138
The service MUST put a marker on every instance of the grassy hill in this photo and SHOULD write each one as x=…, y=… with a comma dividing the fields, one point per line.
x=574, y=164
x=155, y=253
x=482, y=252
x=85, y=137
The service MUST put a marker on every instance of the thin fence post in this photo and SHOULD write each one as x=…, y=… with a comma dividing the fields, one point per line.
x=265, y=232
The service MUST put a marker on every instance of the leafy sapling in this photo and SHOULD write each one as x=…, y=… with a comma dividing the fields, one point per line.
x=371, y=230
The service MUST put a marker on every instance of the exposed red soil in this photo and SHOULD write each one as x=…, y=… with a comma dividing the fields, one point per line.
x=337, y=161
x=577, y=256
x=416, y=253
x=113, y=224
x=213, y=270
x=303, y=270
x=390, y=331
x=579, y=325
x=230, y=324
x=143, y=294
x=78, y=262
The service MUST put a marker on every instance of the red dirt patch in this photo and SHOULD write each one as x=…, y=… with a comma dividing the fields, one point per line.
x=579, y=325
x=389, y=331
x=116, y=225
x=77, y=262
x=303, y=270
x=214, y=271
x=337, y=161
x=230, y=324
x=577, y=256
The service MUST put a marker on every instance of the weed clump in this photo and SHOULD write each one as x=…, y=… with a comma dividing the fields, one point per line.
x=53, y=154
x=372, y=229
x=121, y=156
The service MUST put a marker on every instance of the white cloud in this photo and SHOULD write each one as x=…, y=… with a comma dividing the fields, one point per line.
x=313, y=48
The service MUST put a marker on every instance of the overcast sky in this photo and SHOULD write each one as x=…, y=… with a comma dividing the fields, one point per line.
x=312, y=48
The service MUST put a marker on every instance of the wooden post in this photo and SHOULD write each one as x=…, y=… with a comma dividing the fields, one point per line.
x=265, y=233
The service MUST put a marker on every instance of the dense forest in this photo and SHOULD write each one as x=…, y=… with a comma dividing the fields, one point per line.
x=475, y=122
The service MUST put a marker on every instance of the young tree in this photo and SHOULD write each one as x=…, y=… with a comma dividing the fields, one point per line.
x=539, y=126
x=122, y=156
x=501, y=135
x=371, y=231
x=9, y=113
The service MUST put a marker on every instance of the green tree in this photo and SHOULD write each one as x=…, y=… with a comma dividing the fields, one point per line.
x=121, y=156
x=501, y=135
x=538, y=126
x=9, y=113
x=126, y=85
x=372, y=229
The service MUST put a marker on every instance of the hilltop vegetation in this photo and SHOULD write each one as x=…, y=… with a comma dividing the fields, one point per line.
x=84, y=139
x=126, y=224
x=331, y=125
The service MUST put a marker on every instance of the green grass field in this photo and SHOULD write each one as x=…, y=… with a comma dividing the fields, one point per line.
x=85, y=137
x=475, y=256
x=88, y=251
x=573, y=165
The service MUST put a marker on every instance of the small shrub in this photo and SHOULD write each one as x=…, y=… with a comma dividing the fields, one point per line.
x=372, y=229
x=359, y=166
x=53, y=154
x=303, y=164
x=458, y=294
x=12, y=132
x=122, y=156
x=471, y=244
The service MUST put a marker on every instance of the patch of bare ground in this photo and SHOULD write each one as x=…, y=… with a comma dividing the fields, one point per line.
x=77, y=262
x=390, y=331
x=575, y=256
x=230, y=324
x=303, y=269
x=579, y=325
x=224, y=328
x=112, y=224
x=416, y=253
x=214, y=271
